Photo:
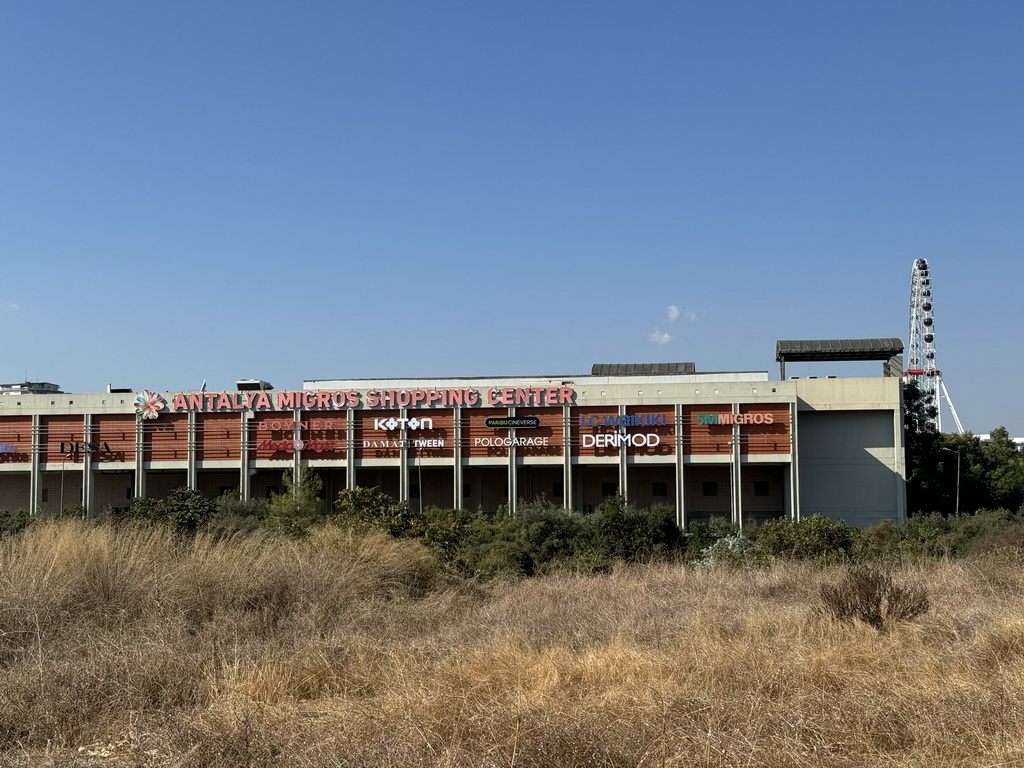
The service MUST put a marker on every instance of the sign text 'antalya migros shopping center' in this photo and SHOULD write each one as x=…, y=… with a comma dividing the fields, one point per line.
x=374, y=398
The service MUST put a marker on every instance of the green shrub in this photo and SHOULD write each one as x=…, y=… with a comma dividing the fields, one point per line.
x=365, y=508
x=625, y=532
x=704, y=535
x=13, y=521
x=813, y=538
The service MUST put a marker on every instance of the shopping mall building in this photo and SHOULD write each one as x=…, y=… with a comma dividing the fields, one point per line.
x=737, y=444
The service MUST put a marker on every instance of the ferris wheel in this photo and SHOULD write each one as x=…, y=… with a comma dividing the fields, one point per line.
x=921, y=365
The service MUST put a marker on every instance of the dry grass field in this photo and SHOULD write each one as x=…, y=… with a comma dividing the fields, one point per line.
x=129, y=648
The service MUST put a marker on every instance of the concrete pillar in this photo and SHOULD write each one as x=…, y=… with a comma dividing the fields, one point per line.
x=35, y=480
x=457, y=457
x=567, y=490
x=244, y=478
x=88, y=486
x=681, y=520
x=350, y=449
x=191, y=480
x=623, y=461
x=140, y=455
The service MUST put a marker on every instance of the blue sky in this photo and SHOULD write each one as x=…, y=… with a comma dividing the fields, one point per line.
x=306, y=190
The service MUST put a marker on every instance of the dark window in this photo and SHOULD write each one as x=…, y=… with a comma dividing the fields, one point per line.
x=710, y=488
x=414, y=491
x=225, y=489
x=271, y=491
x=127, y=493
x=46, y=495
x=557, y=490
x=659, y=489
x=761, y=488
x=504, y=491
x=609, y=489
x=467, y=489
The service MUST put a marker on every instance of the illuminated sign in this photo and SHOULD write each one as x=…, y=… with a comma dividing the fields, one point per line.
x=8, y=448
x=512, y=422
x=286, y=425
x=734, y=418
x=510, y=442
x=635, y=420
x=435, y=442
x=149, y=405
x=393, y=423
x=617, y=440
x=314, y=446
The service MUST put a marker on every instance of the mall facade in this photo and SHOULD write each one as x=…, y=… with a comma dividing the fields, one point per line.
x=738, y=445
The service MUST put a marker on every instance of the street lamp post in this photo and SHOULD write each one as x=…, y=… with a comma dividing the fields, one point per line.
x=950, y=450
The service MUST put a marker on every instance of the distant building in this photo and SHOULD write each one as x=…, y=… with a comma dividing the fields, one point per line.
x=705, y=444
x=30, y=388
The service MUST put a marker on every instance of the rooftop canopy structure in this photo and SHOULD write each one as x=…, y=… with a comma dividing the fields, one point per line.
x=814, y=350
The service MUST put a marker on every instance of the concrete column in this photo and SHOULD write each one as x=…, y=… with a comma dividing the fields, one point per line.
x=35, y=483
x=403, y=461
x=244, y=479
x=513, y=475
x=350, y=449
x=140, y=455
x=191, y=480
x=736, y=475
x=457, y=454
x=900, y=466
x=88, y=486
x=794, y=465
x=567, y=490
x=296, y=453
x=623, y=461
x=681, y=520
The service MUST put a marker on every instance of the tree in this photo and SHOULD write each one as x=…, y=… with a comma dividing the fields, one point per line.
x=300, y=505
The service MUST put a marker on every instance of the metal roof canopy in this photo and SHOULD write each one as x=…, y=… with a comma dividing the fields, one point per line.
x=641, y=369
x=807, y=350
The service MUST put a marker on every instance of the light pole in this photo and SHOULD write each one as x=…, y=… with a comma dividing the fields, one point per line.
x=950, y=450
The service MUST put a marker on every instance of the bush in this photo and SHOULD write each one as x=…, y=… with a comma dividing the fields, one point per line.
x=872, y=596
x=13, y=521
x=704, y=535
x=814, y=538
x=186, y=510
x=624, y=532
x=365, y=508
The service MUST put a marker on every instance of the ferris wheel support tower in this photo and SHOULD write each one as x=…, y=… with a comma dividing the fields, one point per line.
x=921, y=366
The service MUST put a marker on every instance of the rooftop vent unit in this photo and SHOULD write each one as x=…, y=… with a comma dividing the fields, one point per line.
x=250, y=385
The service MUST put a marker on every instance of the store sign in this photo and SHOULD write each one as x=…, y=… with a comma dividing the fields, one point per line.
x=512, y=422
x=631, y=420
x=393, y=423
x=435, y=442
x=733, y=418
x=75, y=450
x=287, y=425
x=510, y=442
x=290, y=446
x=150, y=405
x=8, y=448
x=618, y=439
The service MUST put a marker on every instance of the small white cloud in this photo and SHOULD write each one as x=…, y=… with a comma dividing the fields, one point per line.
x=691, y=316
x=660, y=337
x=12, y=307
x=673, y=312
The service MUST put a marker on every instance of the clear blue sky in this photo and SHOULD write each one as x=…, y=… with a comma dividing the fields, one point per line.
x=303, y=190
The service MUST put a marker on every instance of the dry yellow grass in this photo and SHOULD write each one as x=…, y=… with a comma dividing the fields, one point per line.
x=133, y=649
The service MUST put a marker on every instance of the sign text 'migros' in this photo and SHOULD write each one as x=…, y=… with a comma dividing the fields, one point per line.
x=734, y=418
